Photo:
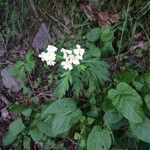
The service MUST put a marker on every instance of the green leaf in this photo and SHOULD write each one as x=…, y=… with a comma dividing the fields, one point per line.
x=36, y=134
x=107, y=48
x=141, y=130
x=97, y=71
x=127, y=101
x=64, y=113
x=112, y=117
x=15, y=128
x=99, y=139
x=147, y=101
x=93, y=35
x=9, y=138
x=142, y=83
x=106, y=33
x=46, y=127
x=62, y=106
x=63, y=85
x=20, y=109
x=18, y=70
x=62, y=123
x=127, y=76
x=93, y=50
x=26, y=143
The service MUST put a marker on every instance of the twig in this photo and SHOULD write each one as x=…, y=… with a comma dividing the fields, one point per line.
x=58, y=21
x=33, y=8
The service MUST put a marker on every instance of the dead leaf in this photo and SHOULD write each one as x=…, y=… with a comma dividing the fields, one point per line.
x=41, y=38
x=9, y=81
x=102, y=17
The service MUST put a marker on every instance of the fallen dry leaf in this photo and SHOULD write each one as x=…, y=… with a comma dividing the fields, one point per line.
x=102, y=17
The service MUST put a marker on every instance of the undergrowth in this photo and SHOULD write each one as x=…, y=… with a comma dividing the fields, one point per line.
x=103, y=102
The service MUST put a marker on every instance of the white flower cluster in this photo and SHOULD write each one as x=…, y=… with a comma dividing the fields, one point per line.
x=49, y=56
x=71, y=57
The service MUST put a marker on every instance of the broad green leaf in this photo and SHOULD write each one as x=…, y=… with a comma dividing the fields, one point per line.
x=62, y=106
x=64, y=114
x=93, y=35
x=16, y=127
x=112, y=117
x=147, y=101
x=36, y=134
x=127, y=101
x=62, y=123
x=141, y=130
x=46, y=127
x=127, y=76
x=9, y=138
x=99, y=139
x=106, y=33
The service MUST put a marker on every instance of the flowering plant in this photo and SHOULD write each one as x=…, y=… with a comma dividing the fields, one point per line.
x=77, y=71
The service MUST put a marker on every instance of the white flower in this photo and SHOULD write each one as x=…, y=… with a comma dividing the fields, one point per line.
x=51, y=48
x=67, y=65
x=72, y=57
x=49, y=56
x=79, y=51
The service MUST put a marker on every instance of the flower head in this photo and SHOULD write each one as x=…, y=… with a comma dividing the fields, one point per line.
x=72, y=57
x=49, y=56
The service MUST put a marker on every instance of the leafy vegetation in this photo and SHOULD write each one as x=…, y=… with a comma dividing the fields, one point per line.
x=102, y=103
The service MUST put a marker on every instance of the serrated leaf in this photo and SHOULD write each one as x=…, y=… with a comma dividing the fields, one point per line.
x=106, y=33
x=63, y=85
x=147, y=101
x=93, y=35
x=97, y=71
x=141, y=130
x=93, y=50
x=127, y=76
x=127, y=101
x=99, y=139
